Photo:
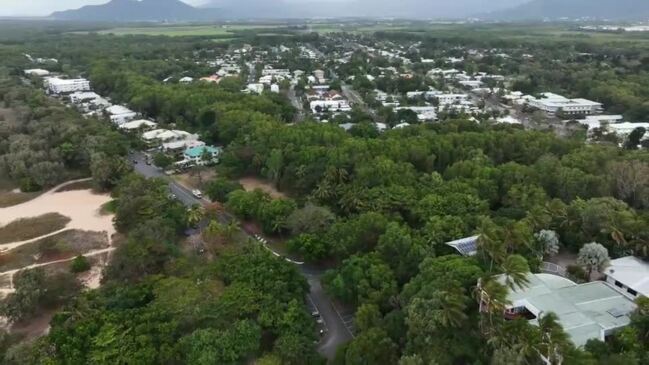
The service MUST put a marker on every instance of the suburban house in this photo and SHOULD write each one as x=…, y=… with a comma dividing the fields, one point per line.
x=158, y=137
x=424, y=113
x=445, y=99
x=80, y=97
x=64, y=86
x=587, y=311
x=630, y=276
x=553, y=103
x=36, y=72
x=186, y=80
x=624, y=129
x=255, y=88
x=194, y=155
x=119, y=114
x=138, y=125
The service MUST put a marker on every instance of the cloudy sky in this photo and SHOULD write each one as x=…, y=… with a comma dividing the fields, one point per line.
x=390, y=8
x=46, y=7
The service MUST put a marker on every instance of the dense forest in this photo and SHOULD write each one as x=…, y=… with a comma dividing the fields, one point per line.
x=374, y=208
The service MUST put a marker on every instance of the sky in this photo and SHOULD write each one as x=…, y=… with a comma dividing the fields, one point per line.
x=390, y=8
x=46, y=7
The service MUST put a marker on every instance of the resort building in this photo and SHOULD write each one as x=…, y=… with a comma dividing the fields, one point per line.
x=587, y=311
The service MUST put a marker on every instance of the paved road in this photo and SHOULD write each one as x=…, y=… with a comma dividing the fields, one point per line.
x=355, y=99
x=337, y=331
x=297, y=104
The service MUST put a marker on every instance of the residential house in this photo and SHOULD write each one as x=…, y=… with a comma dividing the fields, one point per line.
x=119, y=114
x=194, y=156
x=587, y=311
x=64, y=86
x=629, y=275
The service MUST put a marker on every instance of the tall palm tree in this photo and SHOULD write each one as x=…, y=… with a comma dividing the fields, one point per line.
x=553, y=339
x=515, y=270
x=195, y=215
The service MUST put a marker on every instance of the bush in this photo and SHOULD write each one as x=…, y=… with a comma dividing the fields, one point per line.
x=577, y=272
x=219, y=189
x=80, y=264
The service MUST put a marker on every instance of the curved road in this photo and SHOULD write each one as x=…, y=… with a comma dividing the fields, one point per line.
x=337, y=332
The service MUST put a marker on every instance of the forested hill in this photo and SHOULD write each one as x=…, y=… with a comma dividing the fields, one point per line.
x=134, y=10
x=556, y=9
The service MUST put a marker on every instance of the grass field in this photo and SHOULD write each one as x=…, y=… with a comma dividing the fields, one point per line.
x=64, y=245
x=10, y=198
x=187, y=30
x=28, y=228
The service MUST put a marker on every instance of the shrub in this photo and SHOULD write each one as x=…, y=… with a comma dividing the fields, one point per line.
x=80, y=264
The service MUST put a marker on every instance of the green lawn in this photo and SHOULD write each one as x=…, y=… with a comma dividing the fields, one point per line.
x=187, y=30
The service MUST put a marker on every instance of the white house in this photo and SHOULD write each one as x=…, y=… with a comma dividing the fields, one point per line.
x=140, y=124
x=424, y=113
x=37, y=72
x=451, y=98
x=629, y=275
x=624, y=129
x=553, y=103
x=587, y=311
x=318, y=106
x=186, y=80
x=119, y=114
x=64, y=86
x=255, y=88
x=274, y=88
x=83, y=96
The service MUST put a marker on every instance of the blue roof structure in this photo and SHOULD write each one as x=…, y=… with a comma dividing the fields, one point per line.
x=465, y=246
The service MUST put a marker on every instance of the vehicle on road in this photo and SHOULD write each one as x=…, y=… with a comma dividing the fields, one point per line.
x=172, y=196
x=197, y=194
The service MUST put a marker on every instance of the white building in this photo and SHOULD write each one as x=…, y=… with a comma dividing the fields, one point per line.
x=140, y=124
x=445, y=99
x=274, y=88
x=255, y=88
x=553, y=103
x=624, y=129
x=629, y=275
x=119, y=114
x=424, y=113
x=186, y=80
x=83, y=97
x=64, y=86
x=37, y=72
x=587, y=311
x=318, y=106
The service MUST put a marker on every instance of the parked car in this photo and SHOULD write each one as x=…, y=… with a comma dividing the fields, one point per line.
x=197, y=194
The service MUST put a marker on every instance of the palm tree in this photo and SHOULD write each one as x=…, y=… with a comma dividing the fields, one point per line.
x=212, y=233
x=515, y=270
x=553, y=339
x=195, y=215
x=230, y=229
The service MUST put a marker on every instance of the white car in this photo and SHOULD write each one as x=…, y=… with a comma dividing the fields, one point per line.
x=197, y=194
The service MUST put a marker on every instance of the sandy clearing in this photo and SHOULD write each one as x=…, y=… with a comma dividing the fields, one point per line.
x=251, y=183
x=81, y=206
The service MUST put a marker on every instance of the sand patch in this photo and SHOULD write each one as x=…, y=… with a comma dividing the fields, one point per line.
x=252, y=183
x=81, y=206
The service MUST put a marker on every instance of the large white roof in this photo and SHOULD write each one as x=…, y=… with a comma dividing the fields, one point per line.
x=632, y=272
x=585, y=311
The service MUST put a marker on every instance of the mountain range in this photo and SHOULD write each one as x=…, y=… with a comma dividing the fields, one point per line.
x=573, y=9
x=136, y=10
x=178, y=11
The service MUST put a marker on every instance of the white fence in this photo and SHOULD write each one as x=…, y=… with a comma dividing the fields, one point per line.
x=550, y=268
